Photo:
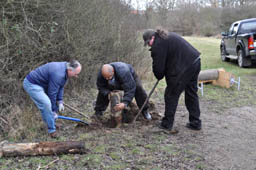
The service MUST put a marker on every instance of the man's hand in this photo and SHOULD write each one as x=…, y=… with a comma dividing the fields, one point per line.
x=55, y=115
x=119, y=107
x=61, y=106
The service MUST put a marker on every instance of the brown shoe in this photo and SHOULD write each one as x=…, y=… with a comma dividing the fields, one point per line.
x=53, y=135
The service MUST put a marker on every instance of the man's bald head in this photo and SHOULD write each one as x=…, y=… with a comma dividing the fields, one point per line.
x=107, y=71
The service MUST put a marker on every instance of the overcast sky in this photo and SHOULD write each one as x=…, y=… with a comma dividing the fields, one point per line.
x=138, y=4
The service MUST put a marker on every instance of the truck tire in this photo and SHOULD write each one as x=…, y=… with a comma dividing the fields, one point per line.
x=223, y=54
x=242, y=61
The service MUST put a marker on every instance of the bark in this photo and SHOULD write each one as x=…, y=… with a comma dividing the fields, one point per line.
x=42, y=148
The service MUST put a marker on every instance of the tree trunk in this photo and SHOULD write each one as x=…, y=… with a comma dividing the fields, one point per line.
x=42, y=148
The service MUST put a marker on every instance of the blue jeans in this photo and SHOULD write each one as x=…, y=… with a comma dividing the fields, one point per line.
x=42, y=102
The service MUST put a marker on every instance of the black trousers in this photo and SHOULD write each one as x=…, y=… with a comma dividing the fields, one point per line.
x=188, y=83
x=140, y=97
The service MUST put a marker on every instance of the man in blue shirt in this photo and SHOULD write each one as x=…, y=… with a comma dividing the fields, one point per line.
x=45, y=86
x=120, y=76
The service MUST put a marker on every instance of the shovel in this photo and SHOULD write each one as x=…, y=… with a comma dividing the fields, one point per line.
x=145, y=101
x=71, y=108
x=73, y=119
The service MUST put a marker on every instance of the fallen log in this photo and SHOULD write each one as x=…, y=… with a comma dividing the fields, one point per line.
x=206, y=75
x=218, y=77
x=42, y=148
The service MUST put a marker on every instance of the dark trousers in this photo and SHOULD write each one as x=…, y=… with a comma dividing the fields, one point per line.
x=140, y=97
x=187, y=83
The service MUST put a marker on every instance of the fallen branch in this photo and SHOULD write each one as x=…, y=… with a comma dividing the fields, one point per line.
x=42, y=148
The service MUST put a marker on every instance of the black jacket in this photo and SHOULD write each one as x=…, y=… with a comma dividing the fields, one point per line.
x=171, y=57
x=124, y=79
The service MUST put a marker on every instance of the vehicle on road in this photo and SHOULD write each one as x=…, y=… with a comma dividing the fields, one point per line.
x=239, y=42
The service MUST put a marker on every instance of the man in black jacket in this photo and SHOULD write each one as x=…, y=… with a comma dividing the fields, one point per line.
x=119, y=76
x=179, y=62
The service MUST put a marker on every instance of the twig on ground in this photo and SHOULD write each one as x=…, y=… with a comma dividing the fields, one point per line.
x=47, y=166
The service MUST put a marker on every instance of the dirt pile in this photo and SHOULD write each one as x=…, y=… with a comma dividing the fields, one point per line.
x=128, y=114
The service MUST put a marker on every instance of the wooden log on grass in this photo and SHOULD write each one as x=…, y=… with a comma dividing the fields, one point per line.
x=208, y=75
x=42, y=148
x=218, y=77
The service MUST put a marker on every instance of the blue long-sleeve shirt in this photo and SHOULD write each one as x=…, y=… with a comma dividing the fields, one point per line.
x=52, y=77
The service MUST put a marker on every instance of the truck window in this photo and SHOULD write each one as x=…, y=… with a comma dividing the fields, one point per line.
x=248, y=27
x=235, y=29
x=230, y=30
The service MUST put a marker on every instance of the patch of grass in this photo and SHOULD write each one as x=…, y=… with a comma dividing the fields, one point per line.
x=115, y=155
x=201, y=166
x=151, y=147
x=93, y=160
x=116, y=166
x=99, y=149
x=169, y=149
x=135, y=151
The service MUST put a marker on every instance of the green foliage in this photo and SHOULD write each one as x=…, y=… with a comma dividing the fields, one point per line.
x=33, y=33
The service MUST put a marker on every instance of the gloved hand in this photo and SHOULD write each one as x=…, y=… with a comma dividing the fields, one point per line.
x=61, y=106
x=55, y=115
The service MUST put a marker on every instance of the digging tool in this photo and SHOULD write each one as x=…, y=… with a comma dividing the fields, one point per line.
x=73, y=119
x=145, y=101
x=75, y=110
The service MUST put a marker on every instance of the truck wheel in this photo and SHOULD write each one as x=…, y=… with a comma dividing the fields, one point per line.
x=223, y=54
x=242, y=61
x=240, y=58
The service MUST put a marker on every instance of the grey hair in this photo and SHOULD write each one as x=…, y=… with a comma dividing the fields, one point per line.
x=73, y=64
x=162, y=32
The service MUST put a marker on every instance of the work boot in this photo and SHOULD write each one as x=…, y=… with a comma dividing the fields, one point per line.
x=194, y=126
x=147, y=115
x=53, y=135
x=98, y=113
x=169, y=130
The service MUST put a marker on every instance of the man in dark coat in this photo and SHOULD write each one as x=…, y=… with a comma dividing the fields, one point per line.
x=119, y=76
x=179, y=62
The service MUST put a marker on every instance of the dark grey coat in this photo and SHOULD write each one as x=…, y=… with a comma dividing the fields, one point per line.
x=124, y=79
x=171, y=57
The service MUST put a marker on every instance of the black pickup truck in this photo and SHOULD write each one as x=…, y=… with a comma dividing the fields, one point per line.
x=239, y=42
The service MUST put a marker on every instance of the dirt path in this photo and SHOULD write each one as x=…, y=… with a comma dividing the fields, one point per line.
x=227, y=140
x=230, y=138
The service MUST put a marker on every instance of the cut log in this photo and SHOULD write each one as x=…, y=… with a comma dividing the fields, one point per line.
x=42, y=148
x=218, y=77
x=207, y=75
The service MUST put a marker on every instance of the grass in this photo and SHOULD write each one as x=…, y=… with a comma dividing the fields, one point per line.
x=210, y=56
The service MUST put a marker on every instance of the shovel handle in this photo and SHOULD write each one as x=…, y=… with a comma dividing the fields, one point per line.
x=72, y=119
x=70, y=107
x=145, y=101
